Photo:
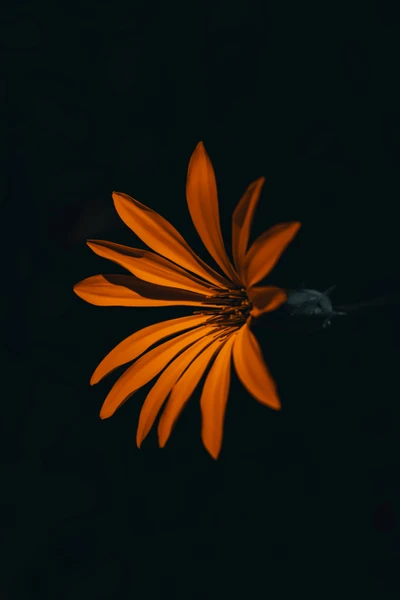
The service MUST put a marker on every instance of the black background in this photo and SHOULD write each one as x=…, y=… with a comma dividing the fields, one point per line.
x=97, y=98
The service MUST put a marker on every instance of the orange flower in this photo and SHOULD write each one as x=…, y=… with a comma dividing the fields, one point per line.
x=174, y=275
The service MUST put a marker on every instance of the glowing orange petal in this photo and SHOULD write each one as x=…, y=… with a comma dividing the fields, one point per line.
x=266, y=250
x=137, y=343
x=252, y=370
x=214, y=398
x=242, y=220
x=127, y=290
x=147, y=367
x=159, y=392
x=182, y=391
x=149, y=266
x=162, y=237
x=202, y=199
x=265, y=299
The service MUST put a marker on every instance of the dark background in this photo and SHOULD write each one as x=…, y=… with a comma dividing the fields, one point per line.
x=97, y=98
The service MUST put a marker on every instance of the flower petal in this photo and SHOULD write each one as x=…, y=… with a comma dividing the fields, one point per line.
x=140, y=341
x=214, y=398
x=242, y=220
x=149, y=266
x=252, y=370
x=127, y=290
x=202, y=199
x=147, y=367
x=266, y=251
x=265, y=299
x=162, y=237
x=159, y=392
x=182, y=391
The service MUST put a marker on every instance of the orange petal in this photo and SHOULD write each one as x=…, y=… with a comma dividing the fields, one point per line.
x=252, y=370
x=214, y=398
x=182, y=391
x=242, y=220
x=159, y=392
x=265, y=299
x=162, y=237
x=137, y=343
x=202, y=199
x=149, y=266
x=127, y=290
x=266, y=251
x=147, y=367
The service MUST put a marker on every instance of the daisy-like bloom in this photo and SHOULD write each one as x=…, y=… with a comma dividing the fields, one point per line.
x=216, y=332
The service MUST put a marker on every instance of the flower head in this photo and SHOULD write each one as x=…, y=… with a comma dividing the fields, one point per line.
x=174, y=275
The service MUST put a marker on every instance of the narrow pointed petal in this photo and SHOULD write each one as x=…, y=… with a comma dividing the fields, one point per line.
x=182, y=391
x=137, y=343
x=266, y=251
x=157, y=233
x=149, y=266
x=202, y=199
x=252, y=370
x=214, y=399
x=242, y=220
x=127, y=290
x=148, y=366
x=159, y=392
x=265, y=299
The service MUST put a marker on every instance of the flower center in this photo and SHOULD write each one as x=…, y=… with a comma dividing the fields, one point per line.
x=233, y=312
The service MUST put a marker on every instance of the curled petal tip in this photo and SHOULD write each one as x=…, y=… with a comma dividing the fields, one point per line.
x=214, y=455
x=118, y=197
x=106, y=413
